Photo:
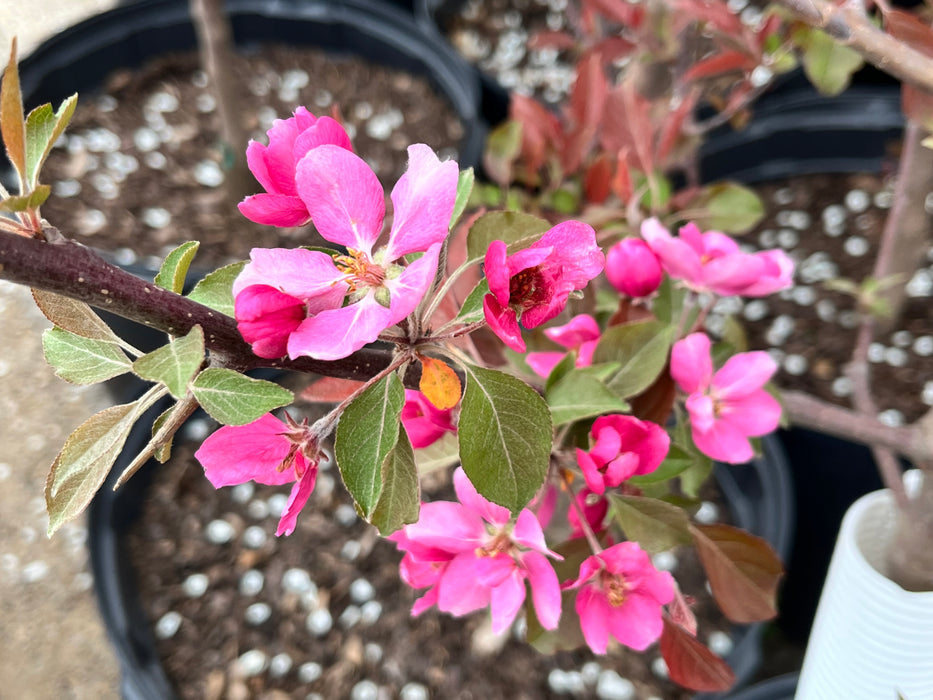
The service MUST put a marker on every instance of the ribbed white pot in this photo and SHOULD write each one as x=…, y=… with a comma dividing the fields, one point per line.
x=871, y=639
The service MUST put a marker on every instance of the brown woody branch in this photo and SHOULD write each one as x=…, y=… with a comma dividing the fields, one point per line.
x=75, y=271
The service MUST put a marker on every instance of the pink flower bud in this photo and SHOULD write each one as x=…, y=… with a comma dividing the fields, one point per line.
x=633, y=268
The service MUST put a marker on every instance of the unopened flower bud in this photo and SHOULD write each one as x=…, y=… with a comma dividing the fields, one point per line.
x=633, y=268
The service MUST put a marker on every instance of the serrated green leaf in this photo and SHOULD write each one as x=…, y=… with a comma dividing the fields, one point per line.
x=367, y=432
x=174, y=364
x=216, y=289
x=694, y=476
x=472, y=309
x=510, y=227
x=827, y=62
x=232, y=398
x=12, y=124
x=641, y=348
x=732, y=208
x=87, y=456
x=669, y=301
x=175, y=267
x=73, y=316
x=43, y=127
x=505, y=437
x=578, y=395
x=81, y=360
x=464, y=190
x=33, y=200
x=656, y=526
x=400, y=495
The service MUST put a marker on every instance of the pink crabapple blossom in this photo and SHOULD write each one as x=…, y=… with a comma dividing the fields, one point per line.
x=624, y=446
x=633, y=268
x=274, y=166
x=713, y=262
x=532, y=285
x=423, y=421
x=593, y=507
x=728, y=406
x=581, y=334
x=472, y=554
x=268, y=452
x=304, y=302
x=621, y=595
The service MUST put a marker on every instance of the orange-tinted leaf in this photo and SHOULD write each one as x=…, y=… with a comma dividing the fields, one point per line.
x=596, y=182
x=612, y=49
x=718, y=64
x=12, y=122
x=622, y=180
x=917, y=105
x=439, y=383
x=690, y=663
x=330, y=390
x=680, y=612
x=743, y=571
x=910, y=29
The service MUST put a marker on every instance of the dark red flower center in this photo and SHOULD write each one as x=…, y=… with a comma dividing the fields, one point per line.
x=528, y=288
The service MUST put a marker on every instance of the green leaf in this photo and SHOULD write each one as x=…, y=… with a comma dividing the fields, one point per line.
x=400, y=495
x=677, y=461
x=175, y=267
x=164, y=452
x=232, y=398
x=87, y=456
x=642, y=350
x=33, y=200
x=367, y=432
x=174, y=364
x=472, y=309
x=81, y=360
x=505, y=437
x=732, y=208
x=464, y=189
x=701, y=466
x=566, y=365
x=828, y=63
x=43, y=127
x=12, y=123
x=579, y=395
x=73, y=316
x=656, y=526
x=442, y=454
x=669, y=302
x=502, y=148
x=216, y=289
x=506, y=226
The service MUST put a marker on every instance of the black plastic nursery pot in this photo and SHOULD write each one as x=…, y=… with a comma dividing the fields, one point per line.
x=795, y=132
x=759, y=496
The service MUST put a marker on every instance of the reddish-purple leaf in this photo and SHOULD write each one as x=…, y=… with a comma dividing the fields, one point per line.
x=690, y=663
x=597, y=180
x=718, y=64
x=910, y=29
x=743, y=571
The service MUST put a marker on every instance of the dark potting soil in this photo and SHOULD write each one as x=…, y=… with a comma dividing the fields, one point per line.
x=831, y=225
x=323, y=614
x=140, y=170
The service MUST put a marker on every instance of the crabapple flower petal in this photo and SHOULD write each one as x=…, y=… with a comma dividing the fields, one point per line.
x=333, y=334
x=545, y=588
x=266, y=317
x=528, y=533
x=343, y=196
x=691, y=365
x=297, y=272
x=468, y=495
x=744, y=373
x=297, y=499
x=422, y=202
x=407, y=290
x=702, y=411
x=678, y=258
x=324, y=131
x=423, y=421
x=723, y=442
x=458, y=593
x=575, y=253
x=777, y=275
x=637, y=623
x=497, y=271
x=756, y=414
x=506, y=600
x=447, y=526
x=503, y=321
x=543, y=362
x=580, y=329
x=234, y=454
x=280, y=210
x=425, y=602
x=594, y=612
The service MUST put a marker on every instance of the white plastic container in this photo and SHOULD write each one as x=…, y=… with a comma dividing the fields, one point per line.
x=871, y=639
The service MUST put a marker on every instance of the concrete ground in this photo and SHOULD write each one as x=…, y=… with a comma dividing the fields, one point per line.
x=52, y=644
